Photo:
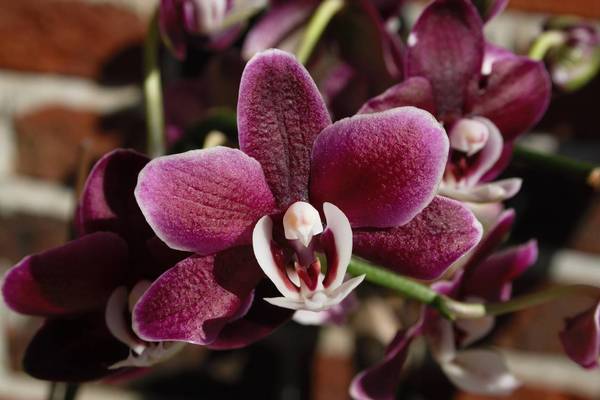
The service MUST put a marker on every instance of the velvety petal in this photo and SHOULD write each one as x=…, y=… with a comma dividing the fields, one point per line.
x=72, y=278
x=380, y=169
x=260, y=321
x=204, y=200
x=381, y=381
x=515, y=96
x=581, y=337
x=73, y=350
x=480, y=371
x=427, y=245
x=492, y=279
x=194, y=300
x=446, y=46
x=280, y=113
x=277, y=22
x=414, y=91
x=107, y=202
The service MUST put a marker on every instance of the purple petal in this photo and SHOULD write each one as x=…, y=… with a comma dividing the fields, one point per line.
x=72, y=278
x=107, y=202
x=381, y=381
x=280, y=113
x=492, y=279
x=446, y=46
x=275, y=25
x=171, y=24
x=427, y=245
x=581, y=337
x=380, y=169
x=415, y=92
x=515, y=97
x=204, y=200
x=73, y=350
x=260, y=321
x=194, y=300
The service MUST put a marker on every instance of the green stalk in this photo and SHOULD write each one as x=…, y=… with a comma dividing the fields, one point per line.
x=153, y=91
x=544, y=43
x=316, y=26
x=580, y=171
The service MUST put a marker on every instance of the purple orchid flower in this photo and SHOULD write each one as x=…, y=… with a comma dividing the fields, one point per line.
x=486, y=276
x=484, y=95
x=257, y=211
x=217, y=22
x=86, y=288
x=581, y=337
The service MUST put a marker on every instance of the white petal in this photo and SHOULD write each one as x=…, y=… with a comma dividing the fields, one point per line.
x=153, y=354
x=261, y=244
x=285, y=302
x=440, y=338
x=305, y=317
x=489, y=154
x=481, y=372
x=138, y=291
x=474, y=329
x=468, y=135
x=492, y=192
x=339, y=294
x=117, y=324
x=301, y=222
x=338, y=224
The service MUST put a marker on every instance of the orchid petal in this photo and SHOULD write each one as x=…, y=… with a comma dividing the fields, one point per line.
x=486, y=193
x=474, y=329
x=414, y=91
x=117, y=324
x=480, y=372
x=516, y=95
x=446, y=46
x=380, y=169
x=73, y=350
x=204, y=200
x=440, y=338
x=337, y=244
x=269, y=262
x=194, y=300
x=280, y=113
x=69, y=279
x=341, y=292
x=335, y=315
x=581, y=337
x=426, y=246
x=286, y=302
x=491, y=280
x=381, y=380
x=489, y=154
x=107, y=202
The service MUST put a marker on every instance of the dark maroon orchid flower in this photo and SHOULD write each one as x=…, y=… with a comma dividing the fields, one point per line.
x=486, y=276
x=581, y=337
x=217, y=23
x=485, y=97
x=87, y=288
x=257, y=212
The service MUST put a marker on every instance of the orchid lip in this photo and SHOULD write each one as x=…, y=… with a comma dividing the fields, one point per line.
x=300, y=281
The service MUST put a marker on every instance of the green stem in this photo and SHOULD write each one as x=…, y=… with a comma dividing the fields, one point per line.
x=63, y=391
x=544, y=43
x=580, y=171
x=153, y=91
x=316, y=26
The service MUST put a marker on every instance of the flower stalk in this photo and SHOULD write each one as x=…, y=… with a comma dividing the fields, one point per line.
x=580, y=171
x=316, y=26
x=544, y=43
x=153, y=101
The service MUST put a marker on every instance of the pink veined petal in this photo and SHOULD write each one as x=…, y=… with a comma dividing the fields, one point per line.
x=194, y=300
x=380, y=169
x=204, y=201
x=380, y=382
x=273, y=27
x=481, y=372
x=515, y=97
x=75, y=277
x=415, y=91
x=339, y=248
x=280, y=113
x=446, y=46
x=270, y=263
x=425, y=247
x=581, y=337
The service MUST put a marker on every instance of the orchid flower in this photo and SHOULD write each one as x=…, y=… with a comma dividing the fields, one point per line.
x=486, y=276
x=581, y=337
x=87, y=288
x=484, y=95
x=218, y=22
x=258, y=211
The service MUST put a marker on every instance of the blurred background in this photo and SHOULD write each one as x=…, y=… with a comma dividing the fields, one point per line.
x=70, y=90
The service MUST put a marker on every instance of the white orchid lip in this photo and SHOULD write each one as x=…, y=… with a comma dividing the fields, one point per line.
x=469, y=135
x=117, y=317
x=300, y=280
